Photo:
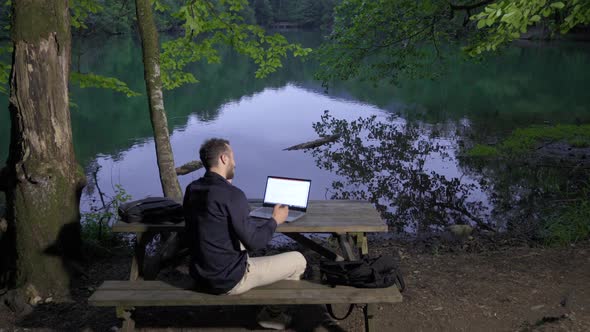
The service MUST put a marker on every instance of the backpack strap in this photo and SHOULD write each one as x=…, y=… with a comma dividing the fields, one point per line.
x=399, y=279
x=331, y=312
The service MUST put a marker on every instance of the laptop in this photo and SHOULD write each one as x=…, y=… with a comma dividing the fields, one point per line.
x=287, y=191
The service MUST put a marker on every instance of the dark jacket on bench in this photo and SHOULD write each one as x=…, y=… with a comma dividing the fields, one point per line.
x=216, y=214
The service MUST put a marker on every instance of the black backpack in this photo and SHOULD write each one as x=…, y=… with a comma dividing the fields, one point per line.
x=377, y=272
x=152, y=210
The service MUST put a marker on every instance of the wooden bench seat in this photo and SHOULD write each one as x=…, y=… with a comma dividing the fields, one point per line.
x=125, y=295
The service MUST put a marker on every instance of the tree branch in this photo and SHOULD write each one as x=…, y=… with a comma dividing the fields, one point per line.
x=104, y=206
x=406, y=38
x=434, y=38
x=466, y=19
x=472, y=6
x=189, y=167
x=480, y=223
x=314, y=143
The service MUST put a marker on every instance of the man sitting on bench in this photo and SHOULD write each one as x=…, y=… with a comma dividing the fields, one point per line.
x=219, y=232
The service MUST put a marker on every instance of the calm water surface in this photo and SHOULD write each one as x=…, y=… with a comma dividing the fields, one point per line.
x=523, y=86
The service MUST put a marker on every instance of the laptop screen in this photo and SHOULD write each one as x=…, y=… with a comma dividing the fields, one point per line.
x=292, y=192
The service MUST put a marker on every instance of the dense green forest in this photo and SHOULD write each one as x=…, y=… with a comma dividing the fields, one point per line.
x=305, y=13
x=115, y=17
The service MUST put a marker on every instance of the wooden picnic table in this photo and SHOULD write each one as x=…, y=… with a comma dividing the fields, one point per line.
x=348, y=220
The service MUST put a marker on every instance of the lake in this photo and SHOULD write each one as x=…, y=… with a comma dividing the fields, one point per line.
x=524, y=85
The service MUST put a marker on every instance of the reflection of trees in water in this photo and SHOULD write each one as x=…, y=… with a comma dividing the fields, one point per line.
x=384, y=162
x=534, y=194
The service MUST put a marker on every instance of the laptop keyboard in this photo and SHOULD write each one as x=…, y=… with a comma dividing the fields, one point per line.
x=265, y=212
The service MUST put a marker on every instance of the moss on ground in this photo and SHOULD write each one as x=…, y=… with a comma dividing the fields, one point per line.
x=524, y=140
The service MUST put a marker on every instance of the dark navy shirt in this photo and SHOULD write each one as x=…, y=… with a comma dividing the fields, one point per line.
x=216, y=214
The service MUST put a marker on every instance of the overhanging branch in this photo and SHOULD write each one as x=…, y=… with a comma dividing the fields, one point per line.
x=471, y=6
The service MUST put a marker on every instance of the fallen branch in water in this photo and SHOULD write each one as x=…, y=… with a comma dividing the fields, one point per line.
x=314, y=144
x=194, y=165
x=189, y=167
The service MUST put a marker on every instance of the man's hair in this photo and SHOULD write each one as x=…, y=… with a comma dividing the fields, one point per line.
x=211, y=150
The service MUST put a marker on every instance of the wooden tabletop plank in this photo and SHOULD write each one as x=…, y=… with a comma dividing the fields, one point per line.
x=332, y=216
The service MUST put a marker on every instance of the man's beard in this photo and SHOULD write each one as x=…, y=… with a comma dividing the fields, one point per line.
x=230, y=173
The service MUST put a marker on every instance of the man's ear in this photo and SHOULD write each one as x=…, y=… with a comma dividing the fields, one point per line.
x=224, y=158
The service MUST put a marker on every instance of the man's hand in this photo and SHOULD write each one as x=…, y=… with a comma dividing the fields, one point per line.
x=280, y=213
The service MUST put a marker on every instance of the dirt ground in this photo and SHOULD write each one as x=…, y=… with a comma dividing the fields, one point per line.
x=448, y=289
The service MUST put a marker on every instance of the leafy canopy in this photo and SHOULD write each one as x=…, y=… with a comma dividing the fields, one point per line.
x=4, y=68
x=209, y=24
x=381, y=39
x=384, y=39
x=97, y=81
x=506, y=20
x=81, y=11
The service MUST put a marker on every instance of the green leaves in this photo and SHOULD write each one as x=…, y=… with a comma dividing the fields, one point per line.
x=4, y=69
x=517, y=15
x=4, y=73
x=384, y=39
x=81, y=9
x=160, y=6
x=557, y=5
x=481, y=24
x=91, y=80
x=209, y=25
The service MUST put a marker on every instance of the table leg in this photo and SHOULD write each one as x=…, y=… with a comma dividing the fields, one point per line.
x=362, y=243
x=346, y=246
x=141, y=241
x=311, y=244
x=370, y=310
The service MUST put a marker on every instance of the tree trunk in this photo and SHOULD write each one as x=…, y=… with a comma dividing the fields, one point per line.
x=151, y=64
x=45, y=179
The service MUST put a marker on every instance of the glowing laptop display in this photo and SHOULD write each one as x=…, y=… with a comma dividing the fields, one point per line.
x=287, y=191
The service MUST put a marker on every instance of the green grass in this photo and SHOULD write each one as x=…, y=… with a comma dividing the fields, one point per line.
x=96, y=229
x=524, y=140
x=565, y=216
x=567, y=225
x=484, y=151
x=93, y=232
x=581, y=142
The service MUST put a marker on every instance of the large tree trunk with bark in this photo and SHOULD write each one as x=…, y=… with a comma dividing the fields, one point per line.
x=151, y=64
x=42, y=179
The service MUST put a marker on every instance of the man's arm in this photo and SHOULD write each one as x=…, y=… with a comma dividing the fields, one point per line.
x=253, y=233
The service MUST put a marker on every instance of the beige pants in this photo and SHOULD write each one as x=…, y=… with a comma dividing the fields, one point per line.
x=266, y=270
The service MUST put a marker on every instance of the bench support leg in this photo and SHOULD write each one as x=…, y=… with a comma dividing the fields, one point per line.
x=141, y=241
x=370, y=310
x=311, y=244
x=124, y=313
